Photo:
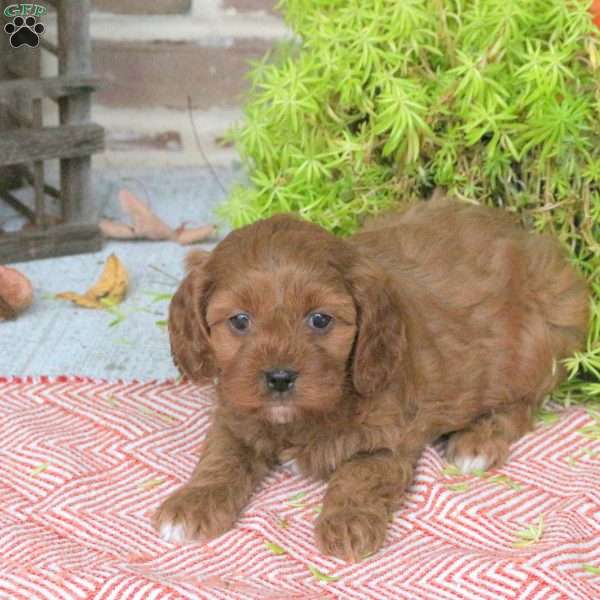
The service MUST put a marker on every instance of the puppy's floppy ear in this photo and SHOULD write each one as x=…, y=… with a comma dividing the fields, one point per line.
x=188, y=330
x=381, y=337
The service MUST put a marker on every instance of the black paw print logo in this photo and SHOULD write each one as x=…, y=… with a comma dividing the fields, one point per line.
x=24, y=32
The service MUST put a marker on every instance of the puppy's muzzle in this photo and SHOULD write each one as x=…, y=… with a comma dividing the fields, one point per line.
x=280, y=380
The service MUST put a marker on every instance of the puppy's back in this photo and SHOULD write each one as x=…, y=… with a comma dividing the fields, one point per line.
x=466, y=257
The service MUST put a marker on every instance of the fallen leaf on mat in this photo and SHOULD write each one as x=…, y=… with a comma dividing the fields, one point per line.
x=168, y=418
x=451, y=471
x=40, y=469
x=531, y=535
x=147, y=225
x=591, y=431
x=320, y=575
x=119, y=231
x=110, y=289
x=16, y=293
x=458, y=487
x=152, y=483
x=591, y=569
x=506, y=481
x=295, y=500
x=274, y=548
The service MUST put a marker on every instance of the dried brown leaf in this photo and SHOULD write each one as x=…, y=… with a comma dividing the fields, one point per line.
x=145, y=223
x=115, y=230
x=193, y=235
x=110, y=289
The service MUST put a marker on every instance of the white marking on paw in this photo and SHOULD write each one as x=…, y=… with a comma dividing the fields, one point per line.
x=292, y=466
x=172, y=532
x=470, y=464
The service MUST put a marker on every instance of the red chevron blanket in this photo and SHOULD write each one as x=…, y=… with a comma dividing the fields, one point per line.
x=84, y=463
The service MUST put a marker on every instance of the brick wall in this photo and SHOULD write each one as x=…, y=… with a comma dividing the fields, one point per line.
x=155, y=55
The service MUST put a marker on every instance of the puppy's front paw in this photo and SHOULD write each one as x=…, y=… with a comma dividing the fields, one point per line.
x=351, y=534
x=471, y=451
x=192, y=513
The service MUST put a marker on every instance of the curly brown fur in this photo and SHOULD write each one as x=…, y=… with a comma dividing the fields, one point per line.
x=447, y=319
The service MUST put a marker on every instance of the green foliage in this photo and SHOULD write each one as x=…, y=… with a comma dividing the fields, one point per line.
x=377, y=102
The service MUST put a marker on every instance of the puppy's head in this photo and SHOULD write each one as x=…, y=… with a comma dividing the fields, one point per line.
x=289, y=317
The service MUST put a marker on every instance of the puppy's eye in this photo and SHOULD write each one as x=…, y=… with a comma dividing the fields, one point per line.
x=319, y=321
x=240, y=322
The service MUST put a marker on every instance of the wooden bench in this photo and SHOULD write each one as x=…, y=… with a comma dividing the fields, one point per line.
x=25, y=143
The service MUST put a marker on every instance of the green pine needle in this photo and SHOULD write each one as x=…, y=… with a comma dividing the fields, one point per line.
x=40, y=468
x=506, y=481
x=591, y=569
x=547, y=417
x=274, y=548
x=531, y=535
x=462, y=486
x=451, y=470
x=320, y=575
x=159, y=296
x=295, y=500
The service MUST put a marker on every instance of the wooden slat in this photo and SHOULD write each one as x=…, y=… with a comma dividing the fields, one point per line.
x=25, y=145
x=28, y=176
x=15, y=115
x=9, y=176
x=60, y=240
x=15, y=203
x=38, y=169
x=49, y=46
x=75, y=59
x=49, y=87
x=18, y=70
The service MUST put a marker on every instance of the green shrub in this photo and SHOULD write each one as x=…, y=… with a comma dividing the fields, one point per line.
x=378, y=102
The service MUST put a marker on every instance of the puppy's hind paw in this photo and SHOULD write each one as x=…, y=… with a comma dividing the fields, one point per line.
x=471, y=452
x=471, y=464
x=172, y=532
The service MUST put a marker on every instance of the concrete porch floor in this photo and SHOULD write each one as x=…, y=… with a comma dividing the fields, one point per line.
x=54, y=337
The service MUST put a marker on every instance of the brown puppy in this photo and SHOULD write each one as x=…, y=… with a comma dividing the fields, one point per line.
x=351, y=355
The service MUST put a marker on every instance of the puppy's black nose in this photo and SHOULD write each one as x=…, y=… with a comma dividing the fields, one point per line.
x=280, y=380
